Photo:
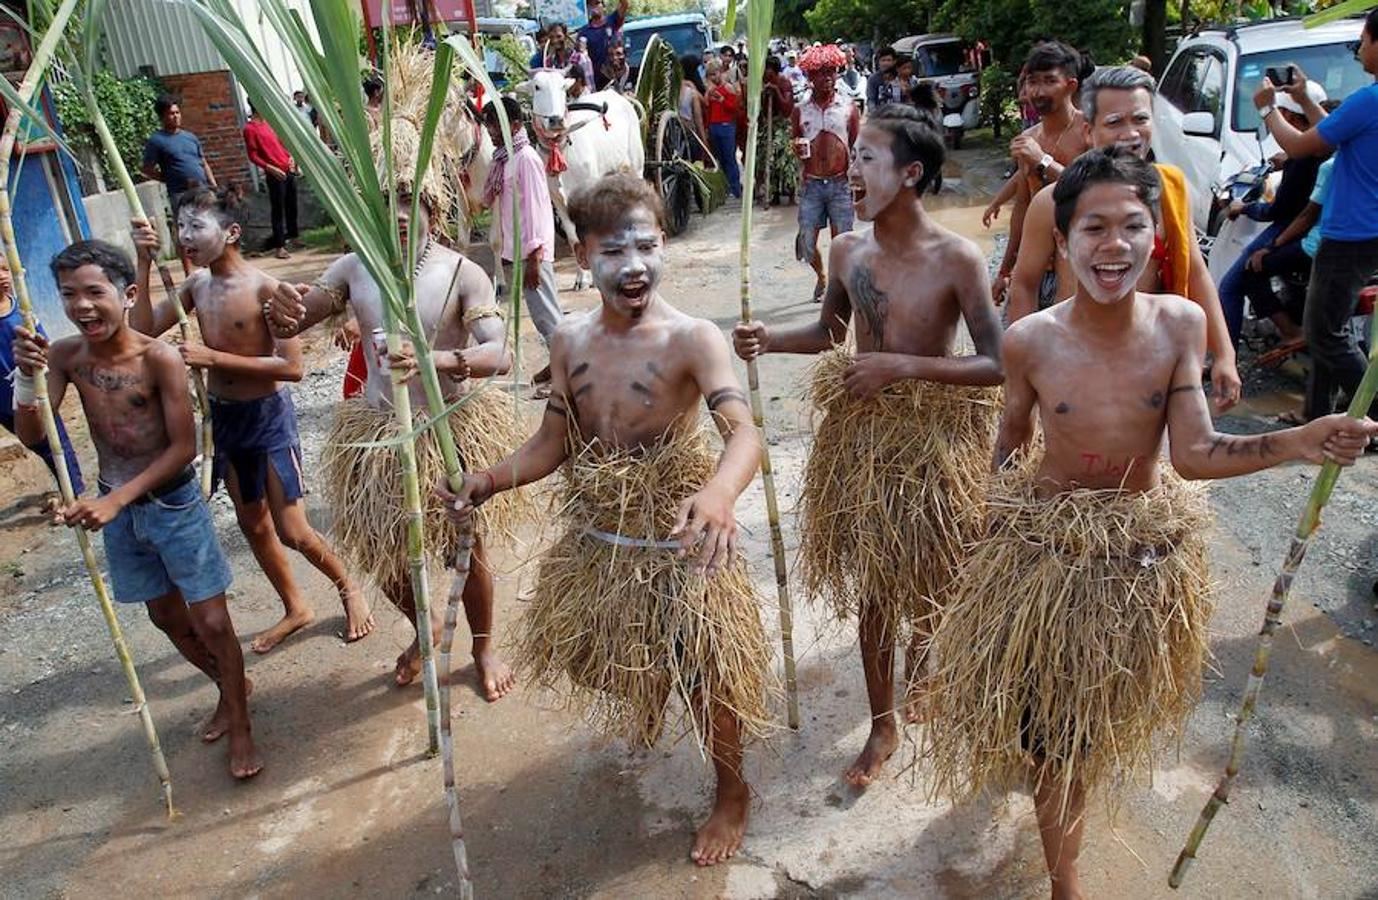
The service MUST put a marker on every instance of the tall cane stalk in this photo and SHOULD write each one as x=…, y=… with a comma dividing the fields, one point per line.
x=1307, y=526
x=759, y=14
x=43, y=55
x=357, y=193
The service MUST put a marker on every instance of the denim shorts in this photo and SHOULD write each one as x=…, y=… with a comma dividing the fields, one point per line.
x=156, y=544
x=823, y=201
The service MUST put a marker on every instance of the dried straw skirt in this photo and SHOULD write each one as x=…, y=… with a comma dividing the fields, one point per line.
x=620, y=629
x=1075, y=632
x=892, y=492
x=363, y=484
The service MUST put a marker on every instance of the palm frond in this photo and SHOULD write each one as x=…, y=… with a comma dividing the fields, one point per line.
x=1337, y=12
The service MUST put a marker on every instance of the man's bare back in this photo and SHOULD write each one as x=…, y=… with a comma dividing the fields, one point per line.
x=122, y=400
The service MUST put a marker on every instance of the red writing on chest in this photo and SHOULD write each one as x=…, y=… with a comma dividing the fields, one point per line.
x=1110, y=466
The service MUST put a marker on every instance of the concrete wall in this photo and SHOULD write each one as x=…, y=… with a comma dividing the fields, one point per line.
x=109, y=215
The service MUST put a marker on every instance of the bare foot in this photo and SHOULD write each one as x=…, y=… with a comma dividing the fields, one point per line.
x=219, y=725
x=497, y=677
x=882, y=743
x=820, y=287
x=244, y=759
x=267, y=640
x=1066, y=883
x=719, y=839
x=408, y=666
x=358, y=617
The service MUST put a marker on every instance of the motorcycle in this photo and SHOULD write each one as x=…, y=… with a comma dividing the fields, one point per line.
x=1226, y=237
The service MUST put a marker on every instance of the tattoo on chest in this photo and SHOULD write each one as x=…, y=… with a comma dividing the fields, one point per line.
x=1062, y=407
x=107, y=381
x=870, y=304
x=1157, y=400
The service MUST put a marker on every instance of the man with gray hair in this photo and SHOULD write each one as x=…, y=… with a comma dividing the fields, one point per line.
x=1118, y=105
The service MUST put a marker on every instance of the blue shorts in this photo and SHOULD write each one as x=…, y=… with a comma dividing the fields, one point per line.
x=823, y=201
x=252, y=435
x=157, y=544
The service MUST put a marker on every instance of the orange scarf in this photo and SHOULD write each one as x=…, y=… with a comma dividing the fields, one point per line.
x=1177, y=231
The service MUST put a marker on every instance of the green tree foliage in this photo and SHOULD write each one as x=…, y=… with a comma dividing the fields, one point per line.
x=1010, y=27
x=662, y=7
x=857, y=20
x=127, y=105
x=789, y=18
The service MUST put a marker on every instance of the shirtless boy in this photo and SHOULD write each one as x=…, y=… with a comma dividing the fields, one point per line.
x=826, y=124
x=628, y=379
x=1109, y=372
x=456, y=304
x=160, y=543
x=253, y=421
x=1117, y=106
x=1053, y=73
x=907, y=283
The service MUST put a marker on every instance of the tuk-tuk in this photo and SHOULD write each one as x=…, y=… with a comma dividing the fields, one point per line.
x=954, y=68
x=686, y=32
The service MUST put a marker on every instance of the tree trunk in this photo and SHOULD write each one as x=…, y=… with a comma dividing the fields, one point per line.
x=1155, y=33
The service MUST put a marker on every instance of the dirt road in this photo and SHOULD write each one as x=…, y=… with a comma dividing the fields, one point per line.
x=348, y=806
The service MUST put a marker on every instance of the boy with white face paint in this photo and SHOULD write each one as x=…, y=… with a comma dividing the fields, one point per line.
x=1090, y=549
x=881, y=509
x=1117, y=103
x=627, y=383
x=253, y=421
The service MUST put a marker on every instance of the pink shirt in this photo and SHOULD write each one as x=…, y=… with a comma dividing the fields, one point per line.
x=527, y=170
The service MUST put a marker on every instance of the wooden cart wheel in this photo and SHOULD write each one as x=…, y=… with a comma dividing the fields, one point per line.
x=673, y=155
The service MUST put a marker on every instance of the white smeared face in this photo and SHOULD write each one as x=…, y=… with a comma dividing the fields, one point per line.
x=1124, y=119
x=1109, y=242
x=405, y=227
x=627, y=262
x=202, y=237
x=874, y=177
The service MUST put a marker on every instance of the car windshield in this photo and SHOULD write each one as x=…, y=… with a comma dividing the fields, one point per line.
x=687, y=38
x=1333, y=66
x=933, y=60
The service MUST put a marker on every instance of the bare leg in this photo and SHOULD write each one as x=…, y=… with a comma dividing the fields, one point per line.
x=878, y=663
x=211, y=621
x=1061, y=834
x=719, y=838
x=256, y=523
x=496, y=676
x=816, y=261
x=170, y=614
x=409, y=660
x=295, y=531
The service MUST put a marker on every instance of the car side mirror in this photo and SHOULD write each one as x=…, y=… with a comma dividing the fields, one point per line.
x=1199, y=124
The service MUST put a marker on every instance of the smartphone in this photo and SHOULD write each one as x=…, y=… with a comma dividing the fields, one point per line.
x=1281, y=77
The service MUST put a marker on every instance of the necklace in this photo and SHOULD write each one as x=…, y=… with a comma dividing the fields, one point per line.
x=1075, y=117
x=421, y=260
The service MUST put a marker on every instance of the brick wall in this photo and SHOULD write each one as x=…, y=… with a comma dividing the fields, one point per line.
x=210, y=110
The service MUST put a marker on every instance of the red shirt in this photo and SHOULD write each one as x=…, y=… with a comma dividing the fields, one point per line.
x=264, y=148
x=721, y=104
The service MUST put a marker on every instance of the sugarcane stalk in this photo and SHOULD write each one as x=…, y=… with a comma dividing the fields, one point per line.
x=131, y=196
x=755, y=79
x=1307, y=526
x=32, y=78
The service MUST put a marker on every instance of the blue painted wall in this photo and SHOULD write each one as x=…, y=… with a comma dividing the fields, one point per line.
x=38, y=227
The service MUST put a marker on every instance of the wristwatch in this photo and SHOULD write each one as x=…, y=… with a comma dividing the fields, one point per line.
x=1042, y=167
x=1265, y=111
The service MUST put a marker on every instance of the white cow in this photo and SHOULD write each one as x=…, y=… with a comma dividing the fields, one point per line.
x=598, y=134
